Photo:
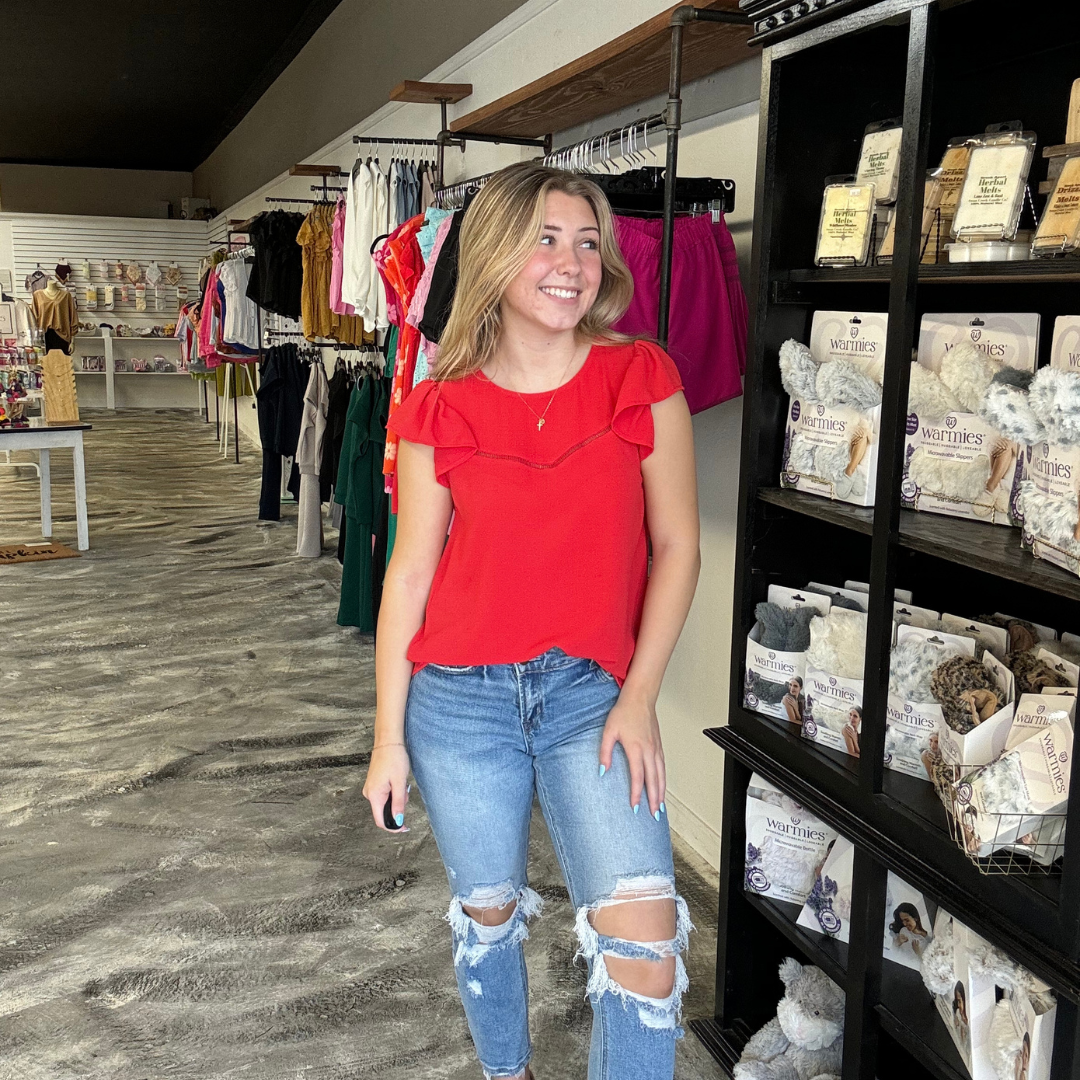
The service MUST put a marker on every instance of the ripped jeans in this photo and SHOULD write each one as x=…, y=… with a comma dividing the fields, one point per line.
x=480, y=740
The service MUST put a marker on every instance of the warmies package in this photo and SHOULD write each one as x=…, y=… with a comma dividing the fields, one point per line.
x=956, y=461
x=834, y=413
x=827, y=909
x=913, y=717
x=776, y=652
x=1048, y=498
x=834, y=680
x=785, y=844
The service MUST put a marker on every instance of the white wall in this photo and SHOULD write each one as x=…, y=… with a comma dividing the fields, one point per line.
x=719, y=139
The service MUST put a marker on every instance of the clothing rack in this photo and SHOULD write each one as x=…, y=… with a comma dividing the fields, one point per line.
x=284, y=199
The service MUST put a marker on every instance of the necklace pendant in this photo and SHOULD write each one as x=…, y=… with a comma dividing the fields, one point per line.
x=539, y=423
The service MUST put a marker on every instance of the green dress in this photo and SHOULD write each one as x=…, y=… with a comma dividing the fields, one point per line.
x=360, y=490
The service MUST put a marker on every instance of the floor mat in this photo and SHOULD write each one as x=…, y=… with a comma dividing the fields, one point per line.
x=13, y=553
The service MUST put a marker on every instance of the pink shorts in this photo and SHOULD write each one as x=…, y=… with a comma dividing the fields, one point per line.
x=707, y=327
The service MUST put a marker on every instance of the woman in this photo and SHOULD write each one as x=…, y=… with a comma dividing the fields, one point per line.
x=959, y=1014
x=851, y=731
x=526, y=652
x=907, y=928
x=793, y=701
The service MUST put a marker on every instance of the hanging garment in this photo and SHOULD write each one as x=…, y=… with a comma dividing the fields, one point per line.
x=280, y=404
x=440, y=298
x=25, y=324
x=316, y=239
x=737, y=305
x=337, y=408
x=374, y=309
x=701, y=339
x=359, y=489
x=309, y=535
x=337, y=247
x=427, y=187
x=356, y=258
x=430, y=245
x=278, y=272
x=241, y=325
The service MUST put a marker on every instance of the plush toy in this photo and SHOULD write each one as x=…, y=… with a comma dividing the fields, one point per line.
x=805, y=1040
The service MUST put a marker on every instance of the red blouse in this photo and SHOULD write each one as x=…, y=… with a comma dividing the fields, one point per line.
x=547, y=545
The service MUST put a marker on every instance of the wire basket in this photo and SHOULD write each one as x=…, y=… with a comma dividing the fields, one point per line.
x=998, y=843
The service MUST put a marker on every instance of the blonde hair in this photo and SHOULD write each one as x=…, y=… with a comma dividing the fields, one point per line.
x=499, y=235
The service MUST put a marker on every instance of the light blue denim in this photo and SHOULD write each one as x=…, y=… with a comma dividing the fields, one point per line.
x=481, y=740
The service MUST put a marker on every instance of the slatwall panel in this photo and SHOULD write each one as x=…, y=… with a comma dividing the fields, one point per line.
x=48, y=238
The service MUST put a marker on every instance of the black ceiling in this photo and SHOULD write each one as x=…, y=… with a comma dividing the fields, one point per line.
x=144, y=85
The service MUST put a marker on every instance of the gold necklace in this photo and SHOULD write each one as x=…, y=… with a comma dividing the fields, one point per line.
x=540, y=417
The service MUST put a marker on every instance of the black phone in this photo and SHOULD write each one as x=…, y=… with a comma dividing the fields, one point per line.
x=388, y=815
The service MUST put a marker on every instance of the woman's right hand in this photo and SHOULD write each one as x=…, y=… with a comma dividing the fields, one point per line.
x=387, y=777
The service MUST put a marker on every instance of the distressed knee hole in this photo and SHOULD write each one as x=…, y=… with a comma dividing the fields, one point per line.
x=490, y=917
x=632, y=940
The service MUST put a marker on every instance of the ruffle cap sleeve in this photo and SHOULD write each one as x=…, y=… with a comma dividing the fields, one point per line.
x=650, y=376
x=426, y=417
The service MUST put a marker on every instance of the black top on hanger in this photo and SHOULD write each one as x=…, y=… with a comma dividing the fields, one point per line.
x=641, y=191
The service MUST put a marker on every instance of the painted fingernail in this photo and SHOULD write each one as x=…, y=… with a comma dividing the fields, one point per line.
x=408, y=788
x=399, y=820
x=603, y=769
x=663, y=809
x=637, y=807
x=657, y=815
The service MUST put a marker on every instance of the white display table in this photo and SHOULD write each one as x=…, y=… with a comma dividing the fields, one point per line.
x=44, y=438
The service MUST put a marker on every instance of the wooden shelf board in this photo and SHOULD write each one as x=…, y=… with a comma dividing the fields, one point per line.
x=723, y=1044
x=427, y=93
x=993, y=549
x=314, y=170
x=632, y=67
x=1033, y=271
x=858, y=518
x=829, y=955
x=907, y=1012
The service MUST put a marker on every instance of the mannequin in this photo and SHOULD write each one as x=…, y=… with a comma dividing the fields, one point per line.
x=54, y=308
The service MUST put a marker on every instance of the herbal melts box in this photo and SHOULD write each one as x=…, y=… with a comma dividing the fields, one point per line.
x=858, y=336
x=963, y=443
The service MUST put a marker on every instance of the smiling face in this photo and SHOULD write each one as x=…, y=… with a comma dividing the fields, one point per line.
x=559, y=283
x=908, y=921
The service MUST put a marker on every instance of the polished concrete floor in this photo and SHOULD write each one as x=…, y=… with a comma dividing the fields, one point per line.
x=191, y=886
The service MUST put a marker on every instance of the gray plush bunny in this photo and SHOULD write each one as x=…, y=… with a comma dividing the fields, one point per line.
x=805, y=1041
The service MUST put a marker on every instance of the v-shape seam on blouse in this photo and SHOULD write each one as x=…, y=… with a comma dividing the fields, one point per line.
x=548, y=465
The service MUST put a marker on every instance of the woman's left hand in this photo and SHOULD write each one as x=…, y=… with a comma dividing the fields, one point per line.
x=633, y=723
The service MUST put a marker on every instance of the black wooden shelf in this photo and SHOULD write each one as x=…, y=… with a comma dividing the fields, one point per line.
x=1003, y=273
x=993, y=549
x=909, y=1015
x=893, y=50
x=829, y=954
x=910, y=840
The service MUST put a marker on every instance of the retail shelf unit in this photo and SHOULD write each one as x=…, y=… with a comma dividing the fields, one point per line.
x=830, y=68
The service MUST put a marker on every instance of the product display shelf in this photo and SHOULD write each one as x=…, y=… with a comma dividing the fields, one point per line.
x=908, y=1014
x=829, y=955
x=990, y=549
x=939, y=66
x=1031, y=271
